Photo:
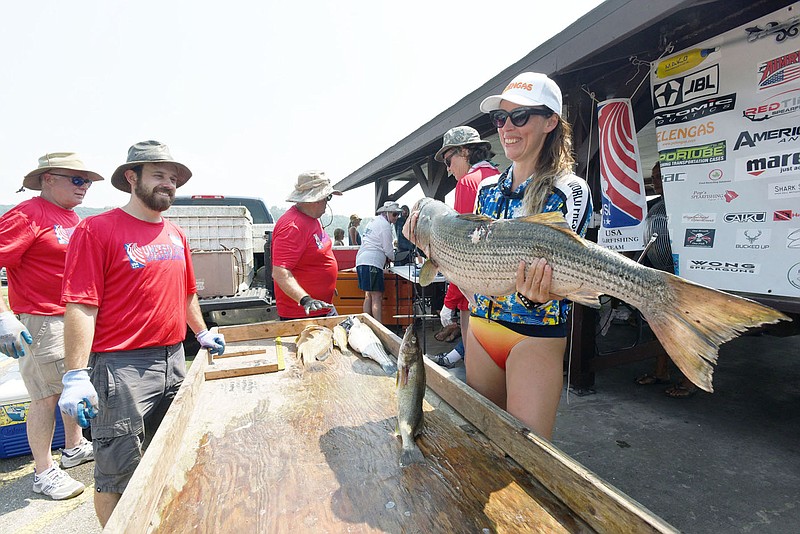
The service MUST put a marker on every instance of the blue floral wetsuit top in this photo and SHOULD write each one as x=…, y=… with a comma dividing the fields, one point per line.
x=572, y=197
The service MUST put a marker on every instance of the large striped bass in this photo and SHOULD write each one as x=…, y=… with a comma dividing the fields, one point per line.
x=481, y=255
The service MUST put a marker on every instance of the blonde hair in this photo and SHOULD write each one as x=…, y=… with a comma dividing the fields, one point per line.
x=555, y=160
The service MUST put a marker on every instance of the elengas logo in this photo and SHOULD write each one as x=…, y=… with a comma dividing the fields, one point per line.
x=784, y=215
x=724, y=266
x=519, y=85
x=697, y=110
x=683, y=135
x=746, y=217
x=779, y=70
x=693, y=155
x=699, y=238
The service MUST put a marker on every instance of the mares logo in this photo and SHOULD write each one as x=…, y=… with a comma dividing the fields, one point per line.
x=779, y=70
x=768, y=165
x=710, y=153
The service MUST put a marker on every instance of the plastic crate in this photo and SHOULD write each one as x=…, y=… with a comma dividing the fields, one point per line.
x=14, y=404
x=215, y=228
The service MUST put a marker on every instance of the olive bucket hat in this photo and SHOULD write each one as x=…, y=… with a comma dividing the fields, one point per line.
x=66, y=161
x=147, y=152
x=460, y=136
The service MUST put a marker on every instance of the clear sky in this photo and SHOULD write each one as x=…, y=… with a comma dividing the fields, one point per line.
x=247, y=94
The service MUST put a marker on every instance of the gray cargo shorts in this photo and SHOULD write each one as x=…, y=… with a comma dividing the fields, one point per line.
x=135, y=389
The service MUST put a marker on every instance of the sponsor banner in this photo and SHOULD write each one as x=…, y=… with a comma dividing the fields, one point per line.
x=624, y=203
x=727, y=117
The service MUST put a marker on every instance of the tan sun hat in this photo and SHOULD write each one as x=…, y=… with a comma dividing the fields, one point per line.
x=147, y=152
x=312, y=186
x=67, y=161
x=389, y=207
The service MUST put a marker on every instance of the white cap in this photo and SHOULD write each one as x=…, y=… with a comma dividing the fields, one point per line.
x=527, y=89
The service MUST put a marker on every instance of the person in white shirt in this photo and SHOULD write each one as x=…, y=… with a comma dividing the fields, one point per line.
x=377, y=249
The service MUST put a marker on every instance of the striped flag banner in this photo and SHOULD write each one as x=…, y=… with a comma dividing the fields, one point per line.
x=624, y=199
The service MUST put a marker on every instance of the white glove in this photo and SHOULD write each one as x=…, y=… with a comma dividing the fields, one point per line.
x=215, y=343
x=12, y=334
x=447, y=316
x=79, y=398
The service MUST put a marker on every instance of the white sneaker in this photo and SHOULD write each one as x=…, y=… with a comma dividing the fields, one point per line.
x=77, y=455
x=56, y=484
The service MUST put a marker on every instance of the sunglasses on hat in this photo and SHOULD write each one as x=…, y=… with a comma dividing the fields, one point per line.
x=519, y=116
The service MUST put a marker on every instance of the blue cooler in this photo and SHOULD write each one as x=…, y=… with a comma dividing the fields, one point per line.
x=14, y=404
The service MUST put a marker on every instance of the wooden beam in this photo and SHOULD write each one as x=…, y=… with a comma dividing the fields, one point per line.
x=255, y=367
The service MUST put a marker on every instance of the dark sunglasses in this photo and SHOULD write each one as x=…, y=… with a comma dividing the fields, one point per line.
x=519, y=116
x=328, y=198
x=77, y=181
x=449, y=158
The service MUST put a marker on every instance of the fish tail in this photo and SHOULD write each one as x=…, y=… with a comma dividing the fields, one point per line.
x=411, y=456
x=697, y=320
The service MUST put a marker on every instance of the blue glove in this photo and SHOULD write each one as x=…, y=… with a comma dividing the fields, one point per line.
x=79, y=398
x=12, y=334
x=215, y=343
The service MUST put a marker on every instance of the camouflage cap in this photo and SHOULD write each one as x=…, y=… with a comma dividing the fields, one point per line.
x=460, y=136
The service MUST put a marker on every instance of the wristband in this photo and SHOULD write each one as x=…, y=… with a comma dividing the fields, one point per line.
x=528, y=303
x=305, y=300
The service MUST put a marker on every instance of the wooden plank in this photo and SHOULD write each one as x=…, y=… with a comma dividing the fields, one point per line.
x=601, y=505
x=233, y=353
x=242, y=369
x=138, y=503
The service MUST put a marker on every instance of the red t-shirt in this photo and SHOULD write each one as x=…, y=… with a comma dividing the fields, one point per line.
x=300, y=245
x=33, y=244
x=466, y=193
x=137, y=273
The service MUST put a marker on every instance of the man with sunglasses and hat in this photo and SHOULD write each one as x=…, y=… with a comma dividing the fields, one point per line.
x=33, y=244
x=467, y=157
x=130, y=291
x=303, y=265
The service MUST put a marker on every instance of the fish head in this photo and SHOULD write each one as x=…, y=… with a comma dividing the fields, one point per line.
x=418, y=227
x=410, y=350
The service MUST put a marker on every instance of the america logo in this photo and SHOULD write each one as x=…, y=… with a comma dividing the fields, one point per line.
x=779, y=70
